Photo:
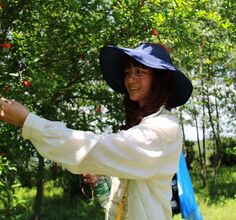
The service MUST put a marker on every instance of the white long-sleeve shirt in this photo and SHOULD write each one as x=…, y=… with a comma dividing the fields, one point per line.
x=147, y=153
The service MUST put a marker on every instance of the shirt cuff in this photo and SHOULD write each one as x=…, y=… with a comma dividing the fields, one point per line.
x=32, y=125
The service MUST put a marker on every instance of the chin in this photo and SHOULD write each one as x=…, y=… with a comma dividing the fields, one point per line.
x=133, y=99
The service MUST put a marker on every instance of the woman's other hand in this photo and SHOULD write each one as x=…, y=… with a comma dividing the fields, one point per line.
x=13, y=112
x=91, y=179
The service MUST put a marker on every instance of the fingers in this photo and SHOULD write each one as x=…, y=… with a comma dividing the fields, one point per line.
x=2, y=114
x=12, y=112
x=3, y=103
x=4, y=100
x=90, y=179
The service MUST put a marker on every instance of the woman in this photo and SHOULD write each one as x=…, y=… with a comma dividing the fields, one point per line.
x=144, y=155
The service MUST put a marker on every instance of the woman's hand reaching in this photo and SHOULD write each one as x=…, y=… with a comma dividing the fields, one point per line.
x=13, y=112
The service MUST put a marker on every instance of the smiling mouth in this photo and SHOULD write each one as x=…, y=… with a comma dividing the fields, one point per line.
x=133, y=89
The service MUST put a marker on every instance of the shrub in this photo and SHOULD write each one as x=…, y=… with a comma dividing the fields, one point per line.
x=189, y=152
x=10, y=205
x=228, y=152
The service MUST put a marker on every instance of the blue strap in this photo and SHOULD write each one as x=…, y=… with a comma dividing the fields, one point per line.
x=188, y=204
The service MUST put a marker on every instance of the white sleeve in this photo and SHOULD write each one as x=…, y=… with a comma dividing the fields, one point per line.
x=143, y=151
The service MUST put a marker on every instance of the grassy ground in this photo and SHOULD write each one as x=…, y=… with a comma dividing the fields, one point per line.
x=216, y=201
x=57, y=207
x=223, y=210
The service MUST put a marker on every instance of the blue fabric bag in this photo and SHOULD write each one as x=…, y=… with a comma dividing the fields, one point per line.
x=188, y=205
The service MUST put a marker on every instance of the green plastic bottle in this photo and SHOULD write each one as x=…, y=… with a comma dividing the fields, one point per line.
x=102, y=190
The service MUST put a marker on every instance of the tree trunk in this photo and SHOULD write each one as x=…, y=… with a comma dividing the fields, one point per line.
x=218, y=132
x=182, y=124
x=216, y=141
x=203, y=137
x=204, y=146
x=199, y=150
x=39, y=188
x=215, y=133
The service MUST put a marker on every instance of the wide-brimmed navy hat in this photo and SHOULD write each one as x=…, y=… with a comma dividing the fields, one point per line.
x=152, y=55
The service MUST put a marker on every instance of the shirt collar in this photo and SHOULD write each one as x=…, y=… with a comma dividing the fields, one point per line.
x=161, y=110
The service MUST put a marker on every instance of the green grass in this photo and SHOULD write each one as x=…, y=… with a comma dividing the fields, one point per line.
x=56, y=206
x=216, y=201
x=223, y=210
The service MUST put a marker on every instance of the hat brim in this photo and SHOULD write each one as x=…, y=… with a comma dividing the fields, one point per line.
x=112, y=66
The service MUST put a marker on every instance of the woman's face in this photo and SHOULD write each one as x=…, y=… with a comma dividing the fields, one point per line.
x=138, y=81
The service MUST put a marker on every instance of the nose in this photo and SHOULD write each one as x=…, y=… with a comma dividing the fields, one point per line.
x=131, y=77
